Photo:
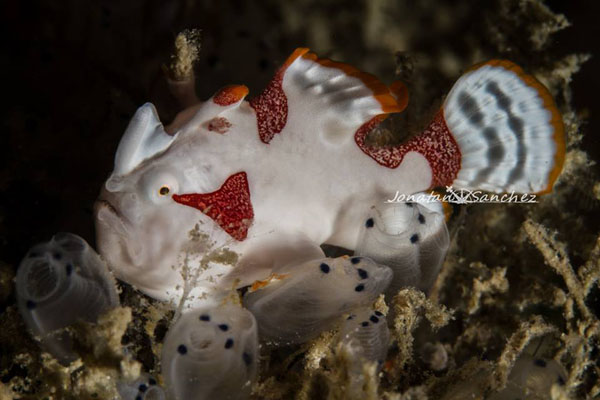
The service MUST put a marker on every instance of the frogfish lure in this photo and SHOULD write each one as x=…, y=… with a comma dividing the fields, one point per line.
x=273, y=178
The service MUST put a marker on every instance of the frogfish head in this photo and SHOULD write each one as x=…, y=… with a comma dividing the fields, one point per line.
x=141, y=231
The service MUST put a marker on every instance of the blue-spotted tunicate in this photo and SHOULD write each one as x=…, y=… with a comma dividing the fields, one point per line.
x=366, y=334
x=211, y=353
x=58, y=283
x=144, y=388
x=303, y=300
x=409, y=237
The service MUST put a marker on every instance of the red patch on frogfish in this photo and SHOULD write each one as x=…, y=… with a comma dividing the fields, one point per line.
x=230, y=95
x=436, y=144
x=229, y=206
x=219, y=124
x=271, y=108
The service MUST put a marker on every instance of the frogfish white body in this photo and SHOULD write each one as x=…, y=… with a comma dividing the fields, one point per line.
x=273, y=178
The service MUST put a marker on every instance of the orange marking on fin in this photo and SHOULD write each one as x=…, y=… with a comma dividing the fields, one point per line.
x=556, y=120
x=299, y=52
x=230, y=95
x=265, y=282
x=447, y=210
x=381, y=92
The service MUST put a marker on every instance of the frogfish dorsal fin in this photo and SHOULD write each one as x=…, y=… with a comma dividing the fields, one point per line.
x=312, y=94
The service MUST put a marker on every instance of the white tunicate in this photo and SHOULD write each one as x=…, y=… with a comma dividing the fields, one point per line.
x=364, y=338
x=532, y=378
x=211, y=353
x=304, y=300
x=365, y=332
x=61, y=282
x=143, y=388
x=411, y=238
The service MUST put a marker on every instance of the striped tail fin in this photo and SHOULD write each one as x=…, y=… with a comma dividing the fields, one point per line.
x=508, y=131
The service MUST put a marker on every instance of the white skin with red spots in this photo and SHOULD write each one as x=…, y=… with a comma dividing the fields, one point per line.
x=309, y=184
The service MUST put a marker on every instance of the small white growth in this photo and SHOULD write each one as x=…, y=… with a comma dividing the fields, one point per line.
x=208, y=259
x=59, y=283
x=211, y=353
x=309, y=298
x=410, y=238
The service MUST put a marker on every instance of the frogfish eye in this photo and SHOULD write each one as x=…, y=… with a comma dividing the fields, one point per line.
x=159, y=186
x=164, y=190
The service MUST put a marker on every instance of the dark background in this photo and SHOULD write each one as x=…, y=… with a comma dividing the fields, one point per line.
x=583, y=36
x=75, y=71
